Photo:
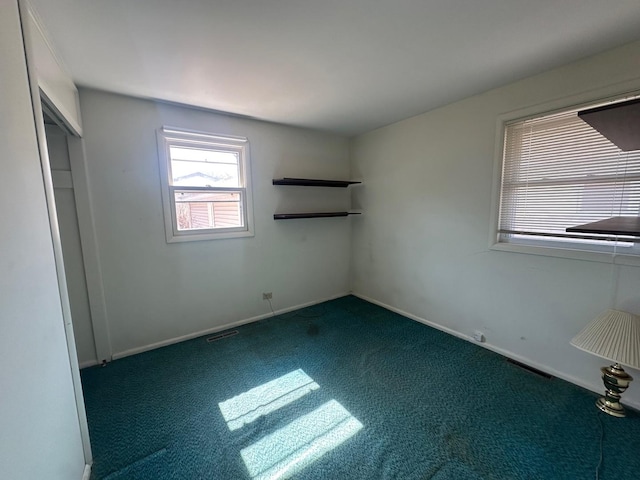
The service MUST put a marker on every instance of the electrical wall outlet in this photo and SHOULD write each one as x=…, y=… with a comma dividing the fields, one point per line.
x=267, y=296
x=478, y=336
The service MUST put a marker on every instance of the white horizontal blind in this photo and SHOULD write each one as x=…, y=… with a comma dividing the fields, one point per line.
x=559, y=172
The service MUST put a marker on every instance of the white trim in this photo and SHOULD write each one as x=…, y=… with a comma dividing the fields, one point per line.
x=89, y=363
x=59, y=110
x=554, y=252
x=56, y=242
x=90, y=249
x=208, y=235
x=87, y=472
x=497, y=181
x=594, y=387
x=172, y=135
x=181, y=133
x=631, y=260
x=171, y=341
x=568, y=253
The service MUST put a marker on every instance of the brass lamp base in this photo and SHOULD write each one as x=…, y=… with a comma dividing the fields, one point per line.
x=616, y=381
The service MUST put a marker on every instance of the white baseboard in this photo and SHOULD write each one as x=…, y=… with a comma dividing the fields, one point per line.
x=597, y=388
x=87, y=472
x=88, y=363
x=171, y=341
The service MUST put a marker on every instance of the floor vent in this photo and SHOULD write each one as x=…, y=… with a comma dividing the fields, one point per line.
x=530, y=369
x=220, y=336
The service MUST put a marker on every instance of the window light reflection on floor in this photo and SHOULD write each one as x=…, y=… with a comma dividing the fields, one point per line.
x=300, y=443
x=266, y=398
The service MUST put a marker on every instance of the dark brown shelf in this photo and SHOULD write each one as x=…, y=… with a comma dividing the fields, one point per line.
x=290, y=216
x=628, y=226
x=310, y=182
x=619, y=123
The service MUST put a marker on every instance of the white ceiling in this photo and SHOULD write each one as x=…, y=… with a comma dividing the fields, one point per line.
x=346, y=66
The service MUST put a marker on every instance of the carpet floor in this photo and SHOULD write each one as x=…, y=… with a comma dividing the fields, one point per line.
x=345, y=390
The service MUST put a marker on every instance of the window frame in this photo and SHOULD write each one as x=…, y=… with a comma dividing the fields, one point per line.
x=173, y=136
x=545, y=246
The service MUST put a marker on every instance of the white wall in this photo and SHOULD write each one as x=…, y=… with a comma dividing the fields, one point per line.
x=39, y=428
x=422, y=246
x=156, y=291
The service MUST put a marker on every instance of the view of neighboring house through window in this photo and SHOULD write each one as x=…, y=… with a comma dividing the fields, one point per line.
x=197, y=210
x=205, y=187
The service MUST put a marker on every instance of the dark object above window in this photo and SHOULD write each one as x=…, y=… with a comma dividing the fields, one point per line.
x=618, y=122
x=309, y=182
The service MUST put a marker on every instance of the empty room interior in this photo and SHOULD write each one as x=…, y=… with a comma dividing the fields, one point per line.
x=320, y=240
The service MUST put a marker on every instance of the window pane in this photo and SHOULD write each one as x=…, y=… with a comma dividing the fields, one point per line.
x=559, y=172
x=207, y=210
x=193, y=167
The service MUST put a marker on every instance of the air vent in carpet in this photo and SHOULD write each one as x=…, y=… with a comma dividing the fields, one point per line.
x=220, y=336
x=530, y=369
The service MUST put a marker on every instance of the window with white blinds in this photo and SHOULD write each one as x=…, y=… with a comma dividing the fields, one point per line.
x=559, y=172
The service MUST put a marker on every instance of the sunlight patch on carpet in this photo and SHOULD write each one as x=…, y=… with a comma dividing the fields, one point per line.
x=266, y=398
x=300, y=443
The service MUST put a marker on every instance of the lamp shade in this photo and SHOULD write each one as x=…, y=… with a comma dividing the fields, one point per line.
x=613, y=335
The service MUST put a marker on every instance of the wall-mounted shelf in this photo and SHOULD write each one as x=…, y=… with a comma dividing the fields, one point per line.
x=310, y=182
x=290, y=216
x=628, y=226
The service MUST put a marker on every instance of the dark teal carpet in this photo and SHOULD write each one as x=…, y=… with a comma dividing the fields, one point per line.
x=345, y=390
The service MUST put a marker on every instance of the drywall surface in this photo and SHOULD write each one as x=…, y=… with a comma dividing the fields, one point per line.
x=71, y=247
x=157, y=291
x=423, y=247
x=39, y=429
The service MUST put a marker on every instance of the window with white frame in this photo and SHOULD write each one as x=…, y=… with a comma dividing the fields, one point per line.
x=559, y=172
x=205, y=185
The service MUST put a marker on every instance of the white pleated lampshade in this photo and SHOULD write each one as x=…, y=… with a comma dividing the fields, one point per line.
x=613, y=335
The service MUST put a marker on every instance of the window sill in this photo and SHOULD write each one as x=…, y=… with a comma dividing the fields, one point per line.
x=572, y=254
x=196, y=237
